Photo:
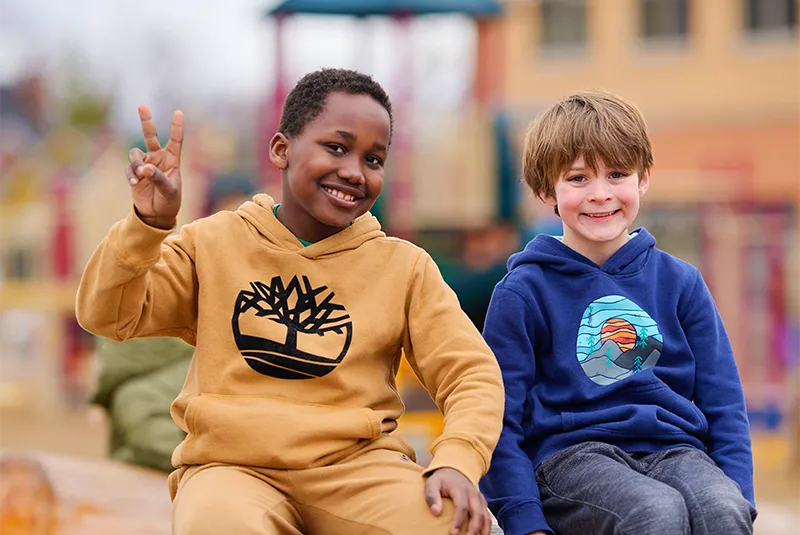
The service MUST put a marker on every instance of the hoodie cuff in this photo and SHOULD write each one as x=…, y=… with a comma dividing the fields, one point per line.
x=524, y=518
x=135, y=243
x=458, y=455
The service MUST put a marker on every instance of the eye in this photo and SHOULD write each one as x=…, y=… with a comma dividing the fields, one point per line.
x=336, y=149
x=577, y=179
x=374, y=160
x=618, y=174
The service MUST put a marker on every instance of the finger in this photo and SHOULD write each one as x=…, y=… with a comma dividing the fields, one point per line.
x=487, y=517
x=462, y=508
x=130, y=176
x=134, y=171
x=433, y=495
x=137, y=172
x=135, y=154
x=148, y=128
x=176, y=134
x=159, y=179
x=137, y=160
x=476, y=514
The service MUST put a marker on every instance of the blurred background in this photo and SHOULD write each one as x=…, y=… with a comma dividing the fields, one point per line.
x=717, y=80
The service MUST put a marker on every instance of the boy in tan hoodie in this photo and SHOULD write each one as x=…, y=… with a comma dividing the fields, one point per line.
x=299, y=313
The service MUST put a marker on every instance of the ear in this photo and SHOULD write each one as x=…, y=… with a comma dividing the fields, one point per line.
x=549, y=200
x=644, y=182
x=279, y=151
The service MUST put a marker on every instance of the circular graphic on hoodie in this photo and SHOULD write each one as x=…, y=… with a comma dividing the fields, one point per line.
x=617, y=339
x=291, y=330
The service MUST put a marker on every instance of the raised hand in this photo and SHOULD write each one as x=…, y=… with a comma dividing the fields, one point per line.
x=155, y=176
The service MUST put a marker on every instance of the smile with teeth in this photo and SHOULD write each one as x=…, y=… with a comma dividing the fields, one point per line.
x=604, y=214
x=340, y=194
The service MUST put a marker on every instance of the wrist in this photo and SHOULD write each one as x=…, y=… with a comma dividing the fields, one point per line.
x=156, y=222
x=161, y=225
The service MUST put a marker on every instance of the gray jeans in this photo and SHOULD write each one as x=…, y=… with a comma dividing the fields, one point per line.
x=597, y=489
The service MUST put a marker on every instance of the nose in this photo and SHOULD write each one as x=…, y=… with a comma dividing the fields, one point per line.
x=599, y=191
x=351, y=171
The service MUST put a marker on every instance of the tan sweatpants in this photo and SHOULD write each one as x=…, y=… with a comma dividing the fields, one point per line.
x=377, y=491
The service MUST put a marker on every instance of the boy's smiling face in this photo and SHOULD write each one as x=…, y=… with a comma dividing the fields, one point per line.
x=333, y=170
x=597, y=206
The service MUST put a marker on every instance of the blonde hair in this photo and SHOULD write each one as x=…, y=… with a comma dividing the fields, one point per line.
x=594, y=124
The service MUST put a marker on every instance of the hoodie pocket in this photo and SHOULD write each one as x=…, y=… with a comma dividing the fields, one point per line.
x=273, y=432
x=645, y=410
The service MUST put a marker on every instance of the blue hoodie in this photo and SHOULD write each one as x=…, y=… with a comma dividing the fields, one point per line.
x=632, y=354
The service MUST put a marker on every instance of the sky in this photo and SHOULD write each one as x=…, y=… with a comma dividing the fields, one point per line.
x=177, y=51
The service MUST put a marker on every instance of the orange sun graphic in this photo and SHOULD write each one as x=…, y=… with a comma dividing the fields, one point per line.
x=620, y=331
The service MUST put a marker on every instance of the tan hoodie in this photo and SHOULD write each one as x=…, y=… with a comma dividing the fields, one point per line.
x=297, y=348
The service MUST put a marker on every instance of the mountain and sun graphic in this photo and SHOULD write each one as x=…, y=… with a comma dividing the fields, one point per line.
x=617, y=339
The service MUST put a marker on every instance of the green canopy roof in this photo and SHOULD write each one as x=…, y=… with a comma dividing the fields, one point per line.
x=386, y=7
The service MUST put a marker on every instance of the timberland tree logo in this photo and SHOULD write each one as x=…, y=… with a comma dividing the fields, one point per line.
x=292, y=331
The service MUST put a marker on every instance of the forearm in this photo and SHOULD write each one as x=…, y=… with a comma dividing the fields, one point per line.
x=473, y=412
x=459, y=371
x=511, y=489
x=718, y=389
x=116, y=295
x=510, y=486
x=729, y=442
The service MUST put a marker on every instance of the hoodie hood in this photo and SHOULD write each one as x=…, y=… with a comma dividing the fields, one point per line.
x=550, y=251
x=138, y=358
x=261, y=217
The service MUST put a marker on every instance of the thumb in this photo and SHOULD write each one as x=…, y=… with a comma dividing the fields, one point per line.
x=163, y=184
x=433, y=495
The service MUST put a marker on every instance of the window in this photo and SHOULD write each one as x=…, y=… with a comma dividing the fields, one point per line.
x=563, y=25
x=770, y=16
x=664, y=20
x=19, y=263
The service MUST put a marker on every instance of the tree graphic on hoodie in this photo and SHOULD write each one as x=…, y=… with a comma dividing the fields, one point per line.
x=641, y=340
x=302, y=309
x=592, y=343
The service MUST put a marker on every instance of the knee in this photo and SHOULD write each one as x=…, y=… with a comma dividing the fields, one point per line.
x=203, y=505
x=659, y=512
x=202, y=514
x=728, y=510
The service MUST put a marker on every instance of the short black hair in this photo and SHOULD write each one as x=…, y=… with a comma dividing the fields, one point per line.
x=307, y=100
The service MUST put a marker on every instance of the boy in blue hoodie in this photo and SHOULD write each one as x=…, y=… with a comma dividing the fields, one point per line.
x=624, y=409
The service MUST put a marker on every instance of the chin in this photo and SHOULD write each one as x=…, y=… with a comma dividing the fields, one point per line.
x=335, y=220
x=601, y=234
x=607, y=238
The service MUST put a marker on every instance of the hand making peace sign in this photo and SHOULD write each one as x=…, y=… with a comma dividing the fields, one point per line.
x=155, y=176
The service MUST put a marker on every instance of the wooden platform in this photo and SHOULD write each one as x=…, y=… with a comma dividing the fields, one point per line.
x=52, y=494
x=89, y=497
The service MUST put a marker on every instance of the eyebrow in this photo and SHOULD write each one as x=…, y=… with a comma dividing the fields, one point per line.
x=351, y=137
x=347, y=135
